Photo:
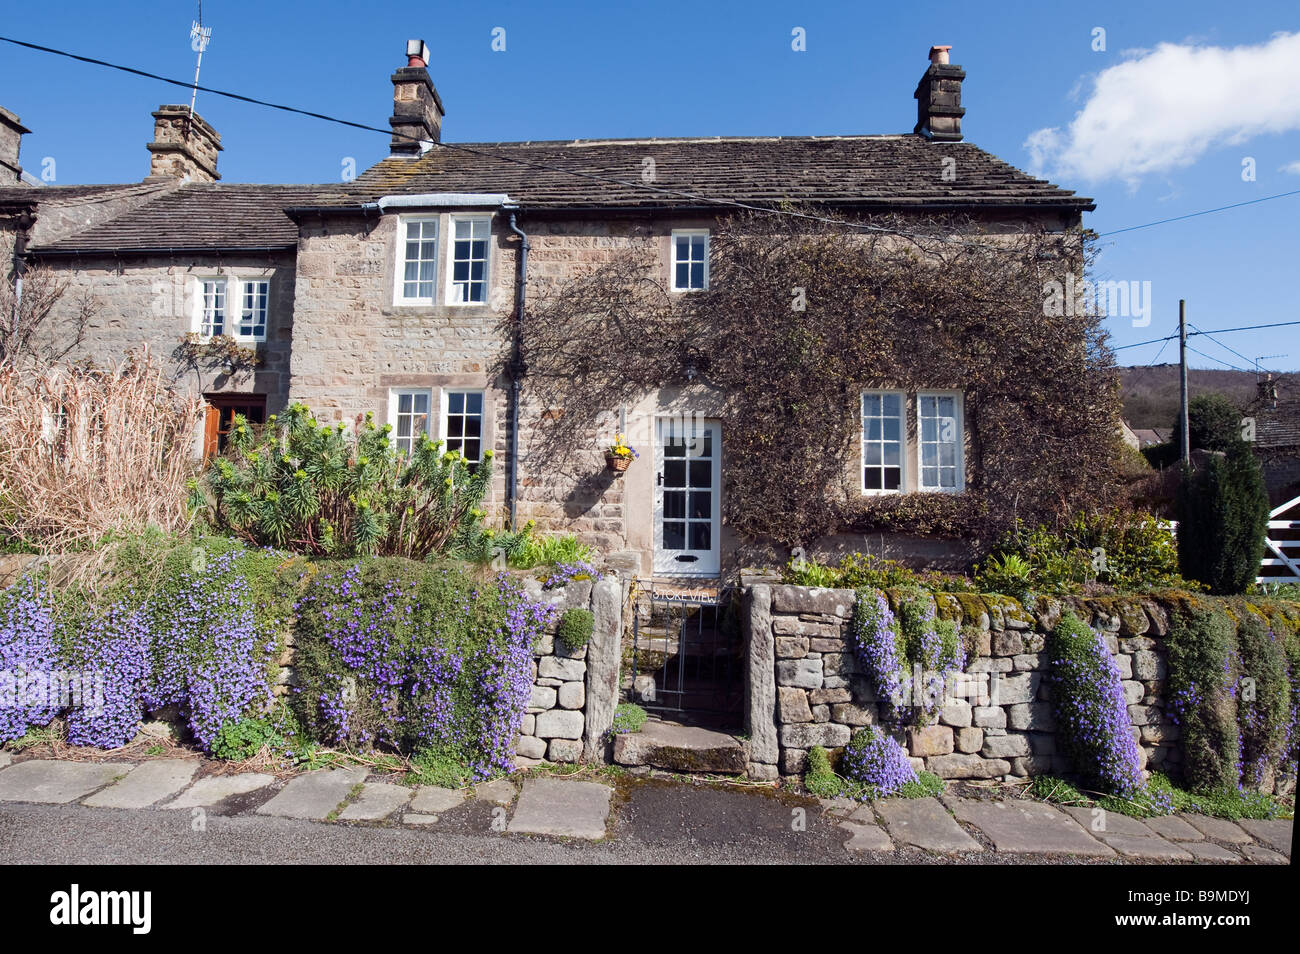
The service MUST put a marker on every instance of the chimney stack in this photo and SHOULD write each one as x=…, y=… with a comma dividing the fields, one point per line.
x=938, y=98
x=417, y=107
x=184, y=146
x=11, y=139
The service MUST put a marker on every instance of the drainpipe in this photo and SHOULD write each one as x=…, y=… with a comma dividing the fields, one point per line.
x=517, y=367
x=25, y=223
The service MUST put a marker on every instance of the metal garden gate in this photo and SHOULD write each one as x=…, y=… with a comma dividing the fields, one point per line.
x=687, y=657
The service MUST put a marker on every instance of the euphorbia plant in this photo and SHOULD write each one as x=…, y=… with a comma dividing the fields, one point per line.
x=328, y=490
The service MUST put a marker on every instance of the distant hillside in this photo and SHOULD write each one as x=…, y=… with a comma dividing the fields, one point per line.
x=1151, y=394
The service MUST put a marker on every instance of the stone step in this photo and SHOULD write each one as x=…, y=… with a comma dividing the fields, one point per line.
x=679, y=748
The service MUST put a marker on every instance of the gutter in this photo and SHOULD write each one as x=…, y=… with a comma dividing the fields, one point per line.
x=156, y=250
x=453, y=200
x=517, y=367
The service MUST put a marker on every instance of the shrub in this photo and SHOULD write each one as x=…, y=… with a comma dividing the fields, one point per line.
x=628, y=717
x=1090, y=708
x=1200, y=646
x=417, y=657
x=876, y=761
x=326, y=491
x=1214, y=423
x=1263, y=700
x=576, y=627
x=1130, y=551
x=1222, y=522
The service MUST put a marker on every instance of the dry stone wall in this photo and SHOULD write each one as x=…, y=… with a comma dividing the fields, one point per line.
x=807, y=689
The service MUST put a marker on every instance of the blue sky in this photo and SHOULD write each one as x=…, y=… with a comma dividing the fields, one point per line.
x=692, y=68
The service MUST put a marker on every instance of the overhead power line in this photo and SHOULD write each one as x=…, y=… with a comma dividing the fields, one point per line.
x=1192, y=215
x=1210, y=357
x=1217, y=331
x=1221, y=344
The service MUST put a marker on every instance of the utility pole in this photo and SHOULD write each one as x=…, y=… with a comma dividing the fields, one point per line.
x=1186, y=450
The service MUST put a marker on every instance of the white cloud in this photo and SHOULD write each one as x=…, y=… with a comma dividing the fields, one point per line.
x=1293, y=168
x=1165, y=107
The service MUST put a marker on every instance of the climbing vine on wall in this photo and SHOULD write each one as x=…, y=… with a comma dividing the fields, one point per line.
x=801, y=317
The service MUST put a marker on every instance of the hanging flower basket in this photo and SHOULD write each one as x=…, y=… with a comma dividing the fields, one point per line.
x=619, y=456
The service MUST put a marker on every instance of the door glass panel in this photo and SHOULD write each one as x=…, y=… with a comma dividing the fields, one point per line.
x=700, y=535
x=701, y=473
x=674, y=535
x=674, y=504
x=701, y=504
x=674, y=473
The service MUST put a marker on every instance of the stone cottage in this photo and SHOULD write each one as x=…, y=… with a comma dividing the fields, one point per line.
x=399, y=294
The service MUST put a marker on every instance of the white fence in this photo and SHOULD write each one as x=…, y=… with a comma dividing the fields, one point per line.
x=1283, y=542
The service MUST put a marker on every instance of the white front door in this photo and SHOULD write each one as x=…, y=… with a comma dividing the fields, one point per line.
x=688, y=483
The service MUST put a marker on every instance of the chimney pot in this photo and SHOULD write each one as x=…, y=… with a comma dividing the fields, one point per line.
x=939, y=55
x=417, y=53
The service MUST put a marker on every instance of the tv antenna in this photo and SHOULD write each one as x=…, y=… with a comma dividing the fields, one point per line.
x=200, y=36
x=1265, y=357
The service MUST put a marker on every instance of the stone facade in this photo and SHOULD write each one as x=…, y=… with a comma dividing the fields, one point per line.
x=151, y=301
x=807, y=689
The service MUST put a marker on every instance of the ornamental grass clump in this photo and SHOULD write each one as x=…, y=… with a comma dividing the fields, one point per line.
x=910, y=657
x=1090, y=708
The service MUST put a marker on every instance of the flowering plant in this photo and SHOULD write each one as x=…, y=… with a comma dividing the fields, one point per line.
x=621, y=449
x=910, y=657
x=1090, y=708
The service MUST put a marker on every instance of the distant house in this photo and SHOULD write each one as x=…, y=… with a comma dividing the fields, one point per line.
x=1151, y=436
x=1277, y=436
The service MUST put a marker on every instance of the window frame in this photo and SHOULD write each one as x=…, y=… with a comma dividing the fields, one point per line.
x=959, y=455
x=400, y=261
x=244, y=285
x=444, y=410
x=232, y=317
x=902, y=442
x=453, y=221
x=394, y=398
x=200, y=305
x=673, y=260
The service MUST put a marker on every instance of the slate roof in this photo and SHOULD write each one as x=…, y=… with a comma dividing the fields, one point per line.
x=867, y=172
x=1279, y=426
x=26, y=195
x=206, y=216
x=845, y=171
